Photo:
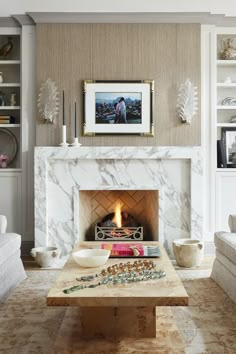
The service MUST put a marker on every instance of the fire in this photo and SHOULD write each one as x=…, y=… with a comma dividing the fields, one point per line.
x=117, y=218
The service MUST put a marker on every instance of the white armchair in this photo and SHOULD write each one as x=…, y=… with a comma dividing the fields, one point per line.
x=224, y=267
x=11, y=268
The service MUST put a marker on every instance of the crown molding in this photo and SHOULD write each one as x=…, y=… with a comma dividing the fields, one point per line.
x=130, y=17
x=8, y=22
x=24, y=20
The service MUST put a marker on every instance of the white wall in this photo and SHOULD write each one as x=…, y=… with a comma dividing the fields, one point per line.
x=12, y=7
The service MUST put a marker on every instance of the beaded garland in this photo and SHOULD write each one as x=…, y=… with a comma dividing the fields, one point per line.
x=137, y=271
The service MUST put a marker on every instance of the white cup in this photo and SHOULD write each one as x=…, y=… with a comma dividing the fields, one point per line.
x=228, y=80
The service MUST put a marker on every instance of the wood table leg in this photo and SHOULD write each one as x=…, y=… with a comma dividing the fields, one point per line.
x=135, y=322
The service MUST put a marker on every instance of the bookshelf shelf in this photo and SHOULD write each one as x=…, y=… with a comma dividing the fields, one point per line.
x=9, y=125
x=229, y=169
x=6, y=108
x=5, y=170
x=10, y=84
x=223, y=85
x=226, y=62
x=226, y=107
x=226, y=125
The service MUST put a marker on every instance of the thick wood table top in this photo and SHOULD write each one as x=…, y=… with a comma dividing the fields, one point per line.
x=167, y=291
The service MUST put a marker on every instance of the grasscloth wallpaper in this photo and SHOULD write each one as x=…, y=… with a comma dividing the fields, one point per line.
x=166, y=53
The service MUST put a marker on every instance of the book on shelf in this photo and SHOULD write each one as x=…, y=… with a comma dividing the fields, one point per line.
x=5, y=117
x=7, y=120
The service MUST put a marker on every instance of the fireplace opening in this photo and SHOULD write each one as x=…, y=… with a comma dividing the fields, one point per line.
x=118, y=225
x=107, y=215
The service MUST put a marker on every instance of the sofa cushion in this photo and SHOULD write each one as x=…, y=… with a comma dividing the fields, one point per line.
x=226, y=244
x=9, y=244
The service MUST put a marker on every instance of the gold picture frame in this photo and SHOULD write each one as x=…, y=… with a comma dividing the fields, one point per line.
x=113, y=107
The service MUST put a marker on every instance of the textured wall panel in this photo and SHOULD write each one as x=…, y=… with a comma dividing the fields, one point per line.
x=166, y=53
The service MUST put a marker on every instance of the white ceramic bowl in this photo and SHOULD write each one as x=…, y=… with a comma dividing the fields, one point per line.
x=91, y=257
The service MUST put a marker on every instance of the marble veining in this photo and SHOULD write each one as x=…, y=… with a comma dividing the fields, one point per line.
x=60, y=174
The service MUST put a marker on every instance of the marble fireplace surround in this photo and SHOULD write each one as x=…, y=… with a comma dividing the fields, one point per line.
x=61, y=172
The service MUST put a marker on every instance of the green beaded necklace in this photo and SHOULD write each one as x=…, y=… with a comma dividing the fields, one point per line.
x=130, y=273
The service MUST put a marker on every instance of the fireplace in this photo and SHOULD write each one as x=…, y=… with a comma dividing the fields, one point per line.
x=66, y=178
x=118, y=215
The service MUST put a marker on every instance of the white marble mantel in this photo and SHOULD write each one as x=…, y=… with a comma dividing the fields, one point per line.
x=61, y=172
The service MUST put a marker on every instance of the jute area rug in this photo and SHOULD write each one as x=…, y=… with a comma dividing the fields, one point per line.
x=208, y=325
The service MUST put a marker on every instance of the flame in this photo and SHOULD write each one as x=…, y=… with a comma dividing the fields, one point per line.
x=117, y=218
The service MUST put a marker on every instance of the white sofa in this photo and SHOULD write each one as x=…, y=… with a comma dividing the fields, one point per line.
x=11, y=268
x=224, y=267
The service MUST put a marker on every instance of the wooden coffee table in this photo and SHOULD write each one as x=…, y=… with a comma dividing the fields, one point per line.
x=125, y=309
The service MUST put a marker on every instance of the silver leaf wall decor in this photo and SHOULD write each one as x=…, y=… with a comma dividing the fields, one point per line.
x=48, y=101
x=187, y=102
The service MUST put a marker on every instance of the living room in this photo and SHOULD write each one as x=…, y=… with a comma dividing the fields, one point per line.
x=103, y=107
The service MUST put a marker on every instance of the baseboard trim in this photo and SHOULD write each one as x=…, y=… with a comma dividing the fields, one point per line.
x=26, y=247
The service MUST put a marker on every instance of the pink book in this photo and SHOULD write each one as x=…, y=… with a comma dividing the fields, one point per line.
x=124, y=249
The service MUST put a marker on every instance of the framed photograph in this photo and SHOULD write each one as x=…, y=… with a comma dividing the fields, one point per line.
x=118, y=107
x=229, y=142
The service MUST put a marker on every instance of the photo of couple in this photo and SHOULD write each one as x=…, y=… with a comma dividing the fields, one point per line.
x=118, y=108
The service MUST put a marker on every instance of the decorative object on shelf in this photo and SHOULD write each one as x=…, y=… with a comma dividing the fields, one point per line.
x=13, y=99
x=228, y=52
x=233, y=119
x=229, y=142
x=64, y=143
x=122, y=273
x=187, y=102
x=46, y=256
x=228, y=80
x=4, y=161
x=76, y=140
x=6, y=48
x=1, y=77
x=229, y=101
x=118, y=107
x=8, y=144
x=234, y=159
x=2, y=99
x=221, y=157
x=48, y=102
